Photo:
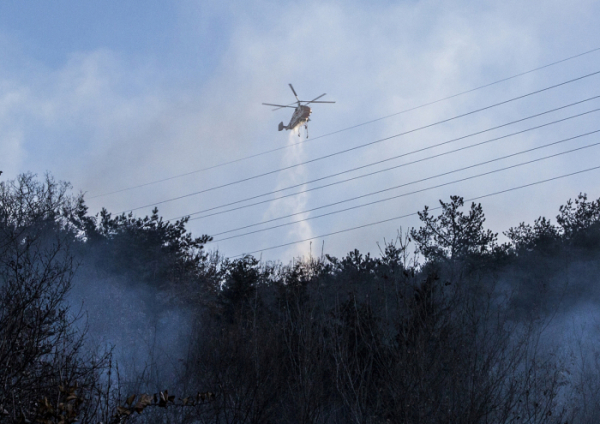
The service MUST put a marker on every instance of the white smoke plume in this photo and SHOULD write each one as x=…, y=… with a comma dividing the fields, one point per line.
x=294, y=204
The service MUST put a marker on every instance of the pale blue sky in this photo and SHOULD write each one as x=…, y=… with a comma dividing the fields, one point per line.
x=109, y=95
x=154, y=32
x=51, y=31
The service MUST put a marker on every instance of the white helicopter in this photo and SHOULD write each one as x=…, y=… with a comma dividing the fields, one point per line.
x=301, y=114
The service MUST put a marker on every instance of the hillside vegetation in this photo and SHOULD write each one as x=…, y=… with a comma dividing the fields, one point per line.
x=115, y=318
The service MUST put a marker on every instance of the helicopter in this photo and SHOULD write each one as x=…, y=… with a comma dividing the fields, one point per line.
x=301, y=114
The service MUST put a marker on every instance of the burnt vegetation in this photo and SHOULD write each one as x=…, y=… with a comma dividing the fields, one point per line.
x=100, y=315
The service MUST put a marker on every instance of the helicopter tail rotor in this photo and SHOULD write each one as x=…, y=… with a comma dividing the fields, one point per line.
x=281, y=126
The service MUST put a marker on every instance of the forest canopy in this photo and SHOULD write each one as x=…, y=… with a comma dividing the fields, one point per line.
x=115, y=318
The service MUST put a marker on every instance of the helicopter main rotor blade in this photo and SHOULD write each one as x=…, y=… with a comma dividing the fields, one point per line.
x=318, y=101
x=278, y=106
x=316, y=98
x=294, y=91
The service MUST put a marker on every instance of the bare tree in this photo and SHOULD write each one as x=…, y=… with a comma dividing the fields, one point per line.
x=40, y=347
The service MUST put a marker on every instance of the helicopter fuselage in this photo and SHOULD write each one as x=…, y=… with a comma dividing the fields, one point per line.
x=301, y=116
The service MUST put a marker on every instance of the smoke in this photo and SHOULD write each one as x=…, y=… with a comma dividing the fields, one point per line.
x=147, y=336
x=294, y=154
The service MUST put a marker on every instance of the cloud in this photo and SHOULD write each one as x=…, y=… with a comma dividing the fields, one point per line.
x=106, y=120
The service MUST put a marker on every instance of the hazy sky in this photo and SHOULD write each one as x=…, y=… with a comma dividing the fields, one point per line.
x=113, y=95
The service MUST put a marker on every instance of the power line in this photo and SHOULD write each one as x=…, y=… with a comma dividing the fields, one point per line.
x=456, y=95
x=366, y=144
x=389, y=159
x=414, y=213
x=404, y=185
x=399, y=166
x=351, y=127
x=418, y=191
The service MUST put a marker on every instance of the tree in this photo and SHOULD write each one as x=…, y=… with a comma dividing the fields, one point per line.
x=147, y=249
x=41, y=350
x=453, y=234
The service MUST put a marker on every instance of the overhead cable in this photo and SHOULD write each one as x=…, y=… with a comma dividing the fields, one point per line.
x=349, y=128
x=404, y=185
x=366, y=144
x=421, y=190
x=414, y=213
x=387, y=160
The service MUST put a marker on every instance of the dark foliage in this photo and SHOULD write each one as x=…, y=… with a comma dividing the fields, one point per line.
x=41, y=349
x=460, y=338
